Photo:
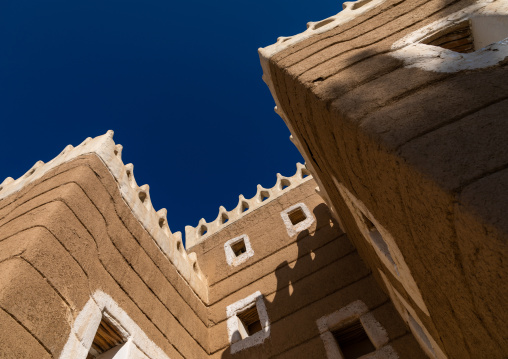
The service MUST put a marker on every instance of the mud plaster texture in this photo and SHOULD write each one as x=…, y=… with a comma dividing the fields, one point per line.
x=302, y=278
x=424, y=151
x=69, y=234
x=68, y=238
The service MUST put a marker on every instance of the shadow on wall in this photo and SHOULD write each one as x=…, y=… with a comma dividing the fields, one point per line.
x=289, y=295
x=397, y=135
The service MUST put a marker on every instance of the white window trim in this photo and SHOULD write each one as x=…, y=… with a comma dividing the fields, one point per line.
x=293, y=230
x=347, y=315
x=407, y=313
x=86, y=323
x=231, y=258
x=238, y=338
x=400, y=270
x=413, y=53
x=122, y=351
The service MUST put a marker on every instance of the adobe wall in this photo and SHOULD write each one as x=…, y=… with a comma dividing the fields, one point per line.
x=69, y=237
x=423, y=151
x=302, y=278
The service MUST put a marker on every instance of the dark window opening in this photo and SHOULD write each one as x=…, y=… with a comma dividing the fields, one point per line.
x=458, y=38
x=296, y=216
x=353, y=341
x=106, y=338
x=239, y=248
x=378, y=240
x=250, y=320
x=370, y=226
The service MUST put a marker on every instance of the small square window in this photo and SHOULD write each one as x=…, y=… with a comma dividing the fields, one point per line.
x=108, y=339
x=353, y=341
x=238, y=250
x=247, y=322
x=352, y=332
x=377, y=239
x=297, y=218
x=458, y=38
x=250, y=320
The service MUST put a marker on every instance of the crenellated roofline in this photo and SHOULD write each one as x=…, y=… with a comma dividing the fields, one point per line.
x=195, y=235
x=136, y=197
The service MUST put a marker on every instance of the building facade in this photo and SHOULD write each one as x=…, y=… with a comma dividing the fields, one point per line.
x=389, y=243
x=399, y=109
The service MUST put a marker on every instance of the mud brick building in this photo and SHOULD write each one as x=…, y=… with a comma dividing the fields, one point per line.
x=391, y=242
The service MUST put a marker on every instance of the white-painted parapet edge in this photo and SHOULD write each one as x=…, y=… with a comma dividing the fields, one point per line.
x=87, y=322
x=136, y=197
x=195, y=235
x=238, y=337
x=347, y=315
x=414, y=53
x=350, y=10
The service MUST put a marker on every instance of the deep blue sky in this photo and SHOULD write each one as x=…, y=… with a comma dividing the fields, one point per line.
x=178, y=82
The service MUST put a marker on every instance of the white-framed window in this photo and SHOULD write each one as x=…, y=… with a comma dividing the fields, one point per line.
x=238, y=250
x=103, y=330
x=474, y=37
x=297, y=218
x=408, y=314
x=353, y=332
x=383, y=243
x=110, y=340
x=248, y=324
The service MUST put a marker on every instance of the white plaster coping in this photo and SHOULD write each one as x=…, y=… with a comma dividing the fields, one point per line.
x=408, y=314
x=350, y=10
x=193, y=235
x=345, y=316
x=231, y=257
x=390, y=256
x=413, y=53
x=87, y=322
x=237, y=334
x=155, y=223
x=293, y=230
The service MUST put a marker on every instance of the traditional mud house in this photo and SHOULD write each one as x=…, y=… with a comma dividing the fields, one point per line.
x=390, y=243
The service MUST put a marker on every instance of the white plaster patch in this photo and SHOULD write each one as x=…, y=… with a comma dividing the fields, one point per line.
x=346, y=316
x=237, y=335
x=486, y=24
x=231, y=257
x=119, y=352
x=86, y=323
x=408, y=314
x=383, y=244
x=294, y=229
